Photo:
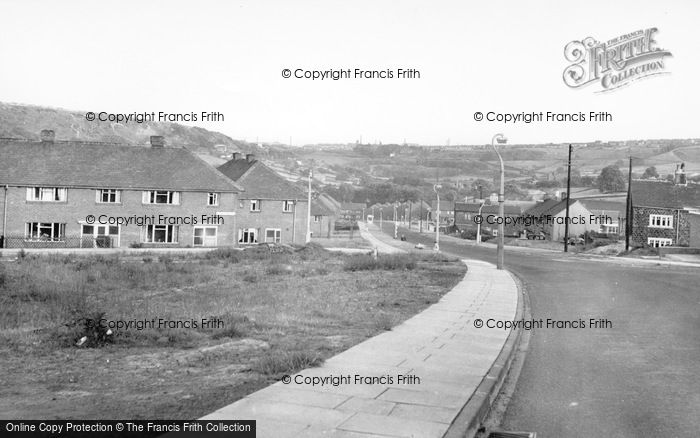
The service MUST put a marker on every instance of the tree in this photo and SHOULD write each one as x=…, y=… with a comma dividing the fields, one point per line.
x=611, y=180
x=650, y=172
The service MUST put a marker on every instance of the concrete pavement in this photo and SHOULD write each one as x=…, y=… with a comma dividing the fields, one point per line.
x=428, y=377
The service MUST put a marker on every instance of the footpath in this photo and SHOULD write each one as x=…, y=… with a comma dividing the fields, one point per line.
x=432, y=376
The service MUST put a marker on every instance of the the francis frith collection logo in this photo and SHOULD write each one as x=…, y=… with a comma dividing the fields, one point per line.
x=616, y=62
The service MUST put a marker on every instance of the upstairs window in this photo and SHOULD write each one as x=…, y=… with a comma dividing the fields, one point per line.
x=109, y=196
x=161, y=197
x=47, y=194
x=255, y=205
x=660, y=221
x=213, y=199
x=287, y=206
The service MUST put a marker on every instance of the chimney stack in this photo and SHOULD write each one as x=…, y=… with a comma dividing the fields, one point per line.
x=157, y=141
x=250, y=157
x=236, y=156
x=47, y=136
x=679, y=176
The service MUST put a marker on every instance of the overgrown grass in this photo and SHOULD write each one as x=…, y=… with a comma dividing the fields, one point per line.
x=388, y=262
x=286, y=362
x=277, y=311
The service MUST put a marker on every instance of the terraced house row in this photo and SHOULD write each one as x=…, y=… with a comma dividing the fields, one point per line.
x=70, y=194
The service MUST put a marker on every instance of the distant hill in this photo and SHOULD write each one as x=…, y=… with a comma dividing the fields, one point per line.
x=27, y=121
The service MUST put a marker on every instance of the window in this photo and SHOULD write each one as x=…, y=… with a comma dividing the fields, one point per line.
x=109, y=196
x=47, y=194
x=248, y=236
x=213, y=199
x=660, y=221
x=204, y=236
x=273, y=235
x=657, y=242
x=45, y=231
x=159, y=233
x=161, y=197
x=287, y=206
x=255, y=205
x=317, y=218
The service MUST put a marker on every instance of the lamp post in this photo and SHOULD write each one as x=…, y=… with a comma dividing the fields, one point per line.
x=437, y=187
x=396, y=221
x=478, y=224
x=501, y=139
x=308, y=212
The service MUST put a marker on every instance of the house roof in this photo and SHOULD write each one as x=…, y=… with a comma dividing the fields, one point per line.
x=473, y=207
x=352, y=205
x=100, y=165
x=604, y=206
x=330, y=201
x=324, y=205
x=260, y=182
x=549, y=207
x=665, y=194
x=444, y=205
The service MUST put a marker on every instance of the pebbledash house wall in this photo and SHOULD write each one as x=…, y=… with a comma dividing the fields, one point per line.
x=81, y=202
x=641, y=231
x=292, y=225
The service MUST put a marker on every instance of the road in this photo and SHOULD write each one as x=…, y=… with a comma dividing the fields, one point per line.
x=639, y=377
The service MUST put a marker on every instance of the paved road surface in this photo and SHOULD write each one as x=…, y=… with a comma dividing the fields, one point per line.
x=640, y=378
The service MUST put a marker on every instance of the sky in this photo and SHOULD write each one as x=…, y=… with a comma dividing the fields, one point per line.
x=228, y=57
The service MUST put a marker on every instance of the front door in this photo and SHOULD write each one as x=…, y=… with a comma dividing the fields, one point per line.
x=99, y=236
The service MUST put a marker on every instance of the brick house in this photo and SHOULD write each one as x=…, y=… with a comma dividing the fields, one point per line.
x=665, y=213
x=68, y=194
x=271, y=209
x=324, y=213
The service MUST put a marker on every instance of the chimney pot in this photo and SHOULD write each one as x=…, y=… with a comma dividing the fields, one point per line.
x=236, y=156
x=250, y=157
x=48, y=135
x=157, y=141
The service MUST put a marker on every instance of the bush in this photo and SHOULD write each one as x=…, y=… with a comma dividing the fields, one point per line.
x=391, y=262
x=135, y=245
x=279, y=270
x=228, y=254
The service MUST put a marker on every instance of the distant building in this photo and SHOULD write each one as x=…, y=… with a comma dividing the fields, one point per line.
x=614, y=210
x=69, y=194
x=447, y=210
x=549, y=217
x=466, y=213
x=352, y=211
x=271, y=209
x=666, y=213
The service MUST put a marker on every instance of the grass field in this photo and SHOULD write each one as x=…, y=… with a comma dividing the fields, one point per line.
x=278, y=313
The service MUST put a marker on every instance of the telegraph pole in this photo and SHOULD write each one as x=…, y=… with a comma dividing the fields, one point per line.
x=568, y=195
x=308, y=207
x=628, y=220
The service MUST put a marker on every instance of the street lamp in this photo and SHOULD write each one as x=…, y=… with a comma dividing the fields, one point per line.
x=308, y=212
x=478, y=224
x=396, y=220
x=436, y=187
x=501, y=139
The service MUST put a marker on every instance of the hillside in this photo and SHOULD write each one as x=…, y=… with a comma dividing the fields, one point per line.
x=26, y=121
